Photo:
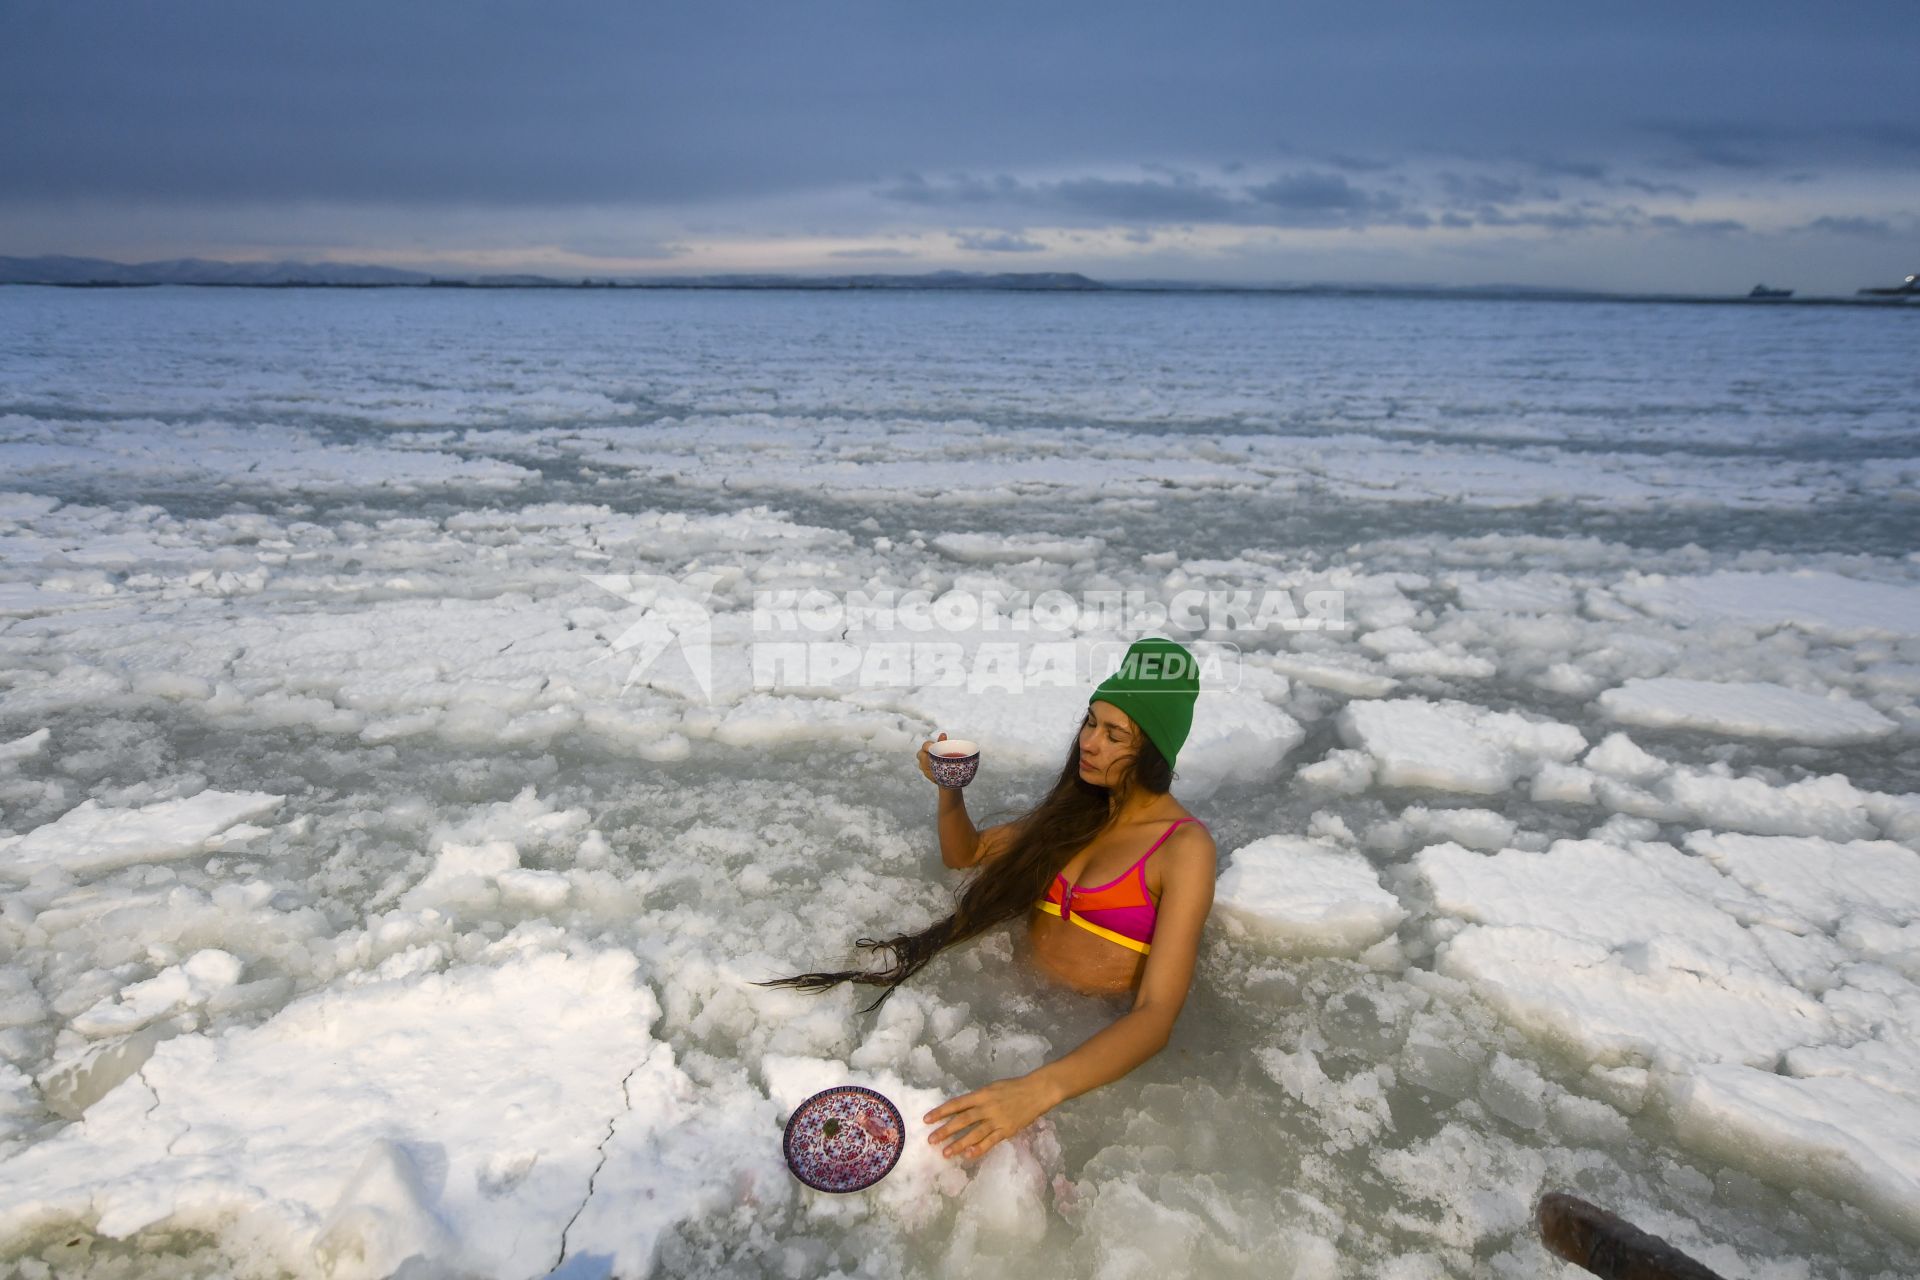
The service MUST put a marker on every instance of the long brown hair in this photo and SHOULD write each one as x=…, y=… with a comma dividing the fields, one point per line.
x=1045, y=838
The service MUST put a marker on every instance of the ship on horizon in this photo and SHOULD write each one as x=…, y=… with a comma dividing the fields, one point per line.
x=1910, y=287
x=1761, y=291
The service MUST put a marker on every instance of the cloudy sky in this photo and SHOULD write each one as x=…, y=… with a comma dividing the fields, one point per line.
x=1691, y=146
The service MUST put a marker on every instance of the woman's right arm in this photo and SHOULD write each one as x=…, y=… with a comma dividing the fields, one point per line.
x=961, y=846
x=959, y=842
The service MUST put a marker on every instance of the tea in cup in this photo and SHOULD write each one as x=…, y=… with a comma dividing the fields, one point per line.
x=954, y=761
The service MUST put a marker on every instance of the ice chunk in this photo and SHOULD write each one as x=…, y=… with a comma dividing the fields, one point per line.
x=1343, y=673
x=1551, y=593
x=1306, y=895
x=1003, y=1211
x=468, y=1067
x=986, y=548
x=90, y=838
x=1619, y=756
x=1388, y=641
x=1895, y=945
x=1235, y=737
x=528, y=820
x=1562, y=784
x=1652, y=1006
x=1440, y=1060
x=542, y=890
x=187, y=985
x=1829, y=806
x=764, y=720
x=382, y=1219
x=463, y=875
x=1614, y=895
x=1823, y=882
x=1515, y=1092
x=1623, y=955
x=1814, y=600
x=1450, y=661
x=1633, y=779
x=1850, y=1139
x=20, y=1003
x=77, y=1083
x=286, y=457
x=1454, y=746
x=1354, y=1110
x=1746, y=708
x=681, y=1151
x=1341, y=770
x=18, y=1105
x=26, y=598
x=11, y=753
x=1475, y=828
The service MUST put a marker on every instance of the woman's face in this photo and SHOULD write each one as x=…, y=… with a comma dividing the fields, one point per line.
x=1106, y=743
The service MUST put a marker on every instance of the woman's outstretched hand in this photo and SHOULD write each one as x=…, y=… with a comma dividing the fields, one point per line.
x=990, y=1115
x=926, y=749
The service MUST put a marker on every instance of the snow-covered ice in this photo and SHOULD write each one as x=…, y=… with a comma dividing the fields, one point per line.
x=1454, y=746
x=383, y=882
x=89, y=838
x=456, y=1115
x=1749, y=708
x=1306, y=895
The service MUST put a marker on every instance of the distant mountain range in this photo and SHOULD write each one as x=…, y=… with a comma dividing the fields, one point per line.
x=98, y=273
x=203, y=271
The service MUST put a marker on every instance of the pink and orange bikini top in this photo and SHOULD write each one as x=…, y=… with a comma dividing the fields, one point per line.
x=1120, y=910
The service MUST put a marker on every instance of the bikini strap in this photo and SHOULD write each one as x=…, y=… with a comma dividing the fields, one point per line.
x=1142, y=864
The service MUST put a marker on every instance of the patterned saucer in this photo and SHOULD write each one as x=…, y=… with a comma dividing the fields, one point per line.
x=844, y=1139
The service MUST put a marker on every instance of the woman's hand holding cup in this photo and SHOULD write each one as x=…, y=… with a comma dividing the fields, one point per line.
x=950, y=764
x=925, y=747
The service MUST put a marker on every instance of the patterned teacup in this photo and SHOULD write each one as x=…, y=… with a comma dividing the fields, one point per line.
x=954, y=762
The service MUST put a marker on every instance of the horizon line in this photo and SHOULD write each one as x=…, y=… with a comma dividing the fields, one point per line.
x=962, y=280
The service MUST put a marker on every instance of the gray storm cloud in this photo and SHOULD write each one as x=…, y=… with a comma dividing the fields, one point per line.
x=550, y=102
x=975, y=124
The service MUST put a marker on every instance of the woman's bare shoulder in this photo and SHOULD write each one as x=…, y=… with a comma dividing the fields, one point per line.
x=1191, y=842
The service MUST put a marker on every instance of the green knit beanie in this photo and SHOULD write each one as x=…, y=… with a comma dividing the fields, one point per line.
x=1157, y=684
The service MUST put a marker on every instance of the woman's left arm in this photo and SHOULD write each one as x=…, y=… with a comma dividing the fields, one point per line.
x=1001, y=1109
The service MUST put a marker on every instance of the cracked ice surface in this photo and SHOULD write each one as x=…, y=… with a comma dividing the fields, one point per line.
x=363, y=912
x=484, y=1086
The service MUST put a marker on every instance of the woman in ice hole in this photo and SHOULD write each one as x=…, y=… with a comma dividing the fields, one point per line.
x=1140, y=931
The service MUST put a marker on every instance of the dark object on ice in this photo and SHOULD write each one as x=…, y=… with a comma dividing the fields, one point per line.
x=1907, y=287
x=1608, y=1246
x=844, y=1139
x=1761, y=291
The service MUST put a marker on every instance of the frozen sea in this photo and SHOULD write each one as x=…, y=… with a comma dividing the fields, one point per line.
x=368, y=907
